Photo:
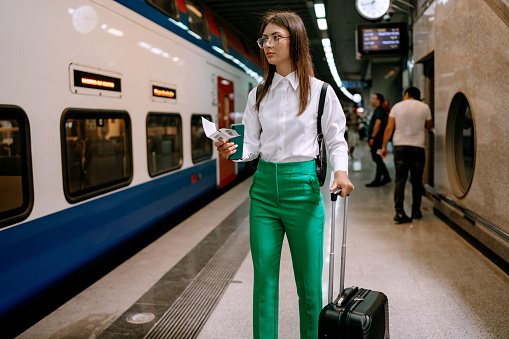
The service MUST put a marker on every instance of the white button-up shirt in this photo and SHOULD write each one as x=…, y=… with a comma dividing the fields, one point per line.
x=279, y=135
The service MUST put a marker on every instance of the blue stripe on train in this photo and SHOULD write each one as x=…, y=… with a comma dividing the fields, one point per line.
x=40, y=253
x=149, y=12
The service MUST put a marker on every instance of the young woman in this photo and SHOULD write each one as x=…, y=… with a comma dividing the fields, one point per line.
x=280, y=127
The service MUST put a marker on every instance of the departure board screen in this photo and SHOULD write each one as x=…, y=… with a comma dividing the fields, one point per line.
x=382, y=39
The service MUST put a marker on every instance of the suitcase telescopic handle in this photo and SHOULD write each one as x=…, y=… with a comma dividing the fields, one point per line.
x=343, y=298
x=334, y=197
x=334, y=194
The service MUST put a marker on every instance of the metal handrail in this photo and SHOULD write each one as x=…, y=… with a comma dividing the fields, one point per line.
x=474, y=216
x=496, y=6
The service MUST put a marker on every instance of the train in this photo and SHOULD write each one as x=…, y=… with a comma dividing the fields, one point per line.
x=100, y=127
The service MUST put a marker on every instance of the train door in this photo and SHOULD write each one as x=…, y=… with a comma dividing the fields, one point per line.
x=225, y=107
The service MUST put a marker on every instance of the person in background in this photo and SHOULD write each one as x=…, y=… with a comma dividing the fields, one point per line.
x=408, y=119
x=387, y=106
x=280, y=127
x=352, y=122
x=376, y=134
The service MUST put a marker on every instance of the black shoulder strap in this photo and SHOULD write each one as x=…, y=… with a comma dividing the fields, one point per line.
x=321, y=103
x=258, y=91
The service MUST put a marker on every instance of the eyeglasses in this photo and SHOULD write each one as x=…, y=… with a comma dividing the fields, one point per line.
x=273, y=40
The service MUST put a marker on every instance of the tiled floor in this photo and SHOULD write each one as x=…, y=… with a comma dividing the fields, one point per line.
x=438, y=285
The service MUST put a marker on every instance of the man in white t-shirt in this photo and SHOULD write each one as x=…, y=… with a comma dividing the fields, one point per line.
x=408, y=119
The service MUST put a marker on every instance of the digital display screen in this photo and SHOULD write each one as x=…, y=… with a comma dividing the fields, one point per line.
x=97, y=81
x=163, y=92
x=382, y=39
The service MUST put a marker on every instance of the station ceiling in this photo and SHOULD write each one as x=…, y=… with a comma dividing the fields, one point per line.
x=245, y=18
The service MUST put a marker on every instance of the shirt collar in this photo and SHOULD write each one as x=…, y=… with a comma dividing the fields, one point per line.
x=292, y=77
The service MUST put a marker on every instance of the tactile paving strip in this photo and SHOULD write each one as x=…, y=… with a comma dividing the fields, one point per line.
x=187, y=316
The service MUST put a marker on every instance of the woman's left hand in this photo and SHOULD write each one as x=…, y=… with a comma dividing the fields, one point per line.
x=341, y=180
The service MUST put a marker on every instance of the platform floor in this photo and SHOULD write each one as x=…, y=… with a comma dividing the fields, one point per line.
x=197, y=278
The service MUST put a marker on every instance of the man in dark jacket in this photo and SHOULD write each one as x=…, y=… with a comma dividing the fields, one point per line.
x=376, y=135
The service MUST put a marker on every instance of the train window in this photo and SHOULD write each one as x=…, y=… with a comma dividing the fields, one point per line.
x=168, y=7
x=222, y=36
x=96, y=149
x=16, y=197
x=164, y=143
x=197, y=21
x=201, y=146
x=460, y=141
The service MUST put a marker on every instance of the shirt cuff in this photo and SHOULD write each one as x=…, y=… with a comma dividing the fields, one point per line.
x=340, y=164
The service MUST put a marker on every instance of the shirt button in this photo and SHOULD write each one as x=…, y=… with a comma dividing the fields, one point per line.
x=280, y=148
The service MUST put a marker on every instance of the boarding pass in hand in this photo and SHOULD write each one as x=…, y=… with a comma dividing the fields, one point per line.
x=212, y=133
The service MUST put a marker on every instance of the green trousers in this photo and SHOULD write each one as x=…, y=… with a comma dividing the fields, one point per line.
x=286, y=198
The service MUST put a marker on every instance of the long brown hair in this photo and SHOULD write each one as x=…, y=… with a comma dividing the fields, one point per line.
x=299, y=55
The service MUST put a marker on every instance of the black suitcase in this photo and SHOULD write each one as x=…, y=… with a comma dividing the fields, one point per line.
x=356, y=312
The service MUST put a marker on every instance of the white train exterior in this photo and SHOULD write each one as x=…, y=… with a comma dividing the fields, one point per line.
x=99, y=133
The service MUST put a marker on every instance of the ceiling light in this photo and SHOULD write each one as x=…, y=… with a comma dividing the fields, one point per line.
x=320, y=10
x=322, y=24
x=326, y=43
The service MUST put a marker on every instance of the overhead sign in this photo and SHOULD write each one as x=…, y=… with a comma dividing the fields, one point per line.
x=163, y=92
x=382, y=40
x=97, y=81
x=356, y=84
x=94, y=81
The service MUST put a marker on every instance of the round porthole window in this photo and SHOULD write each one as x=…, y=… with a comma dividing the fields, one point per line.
x=460, y=139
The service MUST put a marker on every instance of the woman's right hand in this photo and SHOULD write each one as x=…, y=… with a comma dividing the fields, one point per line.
x=225, y=148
